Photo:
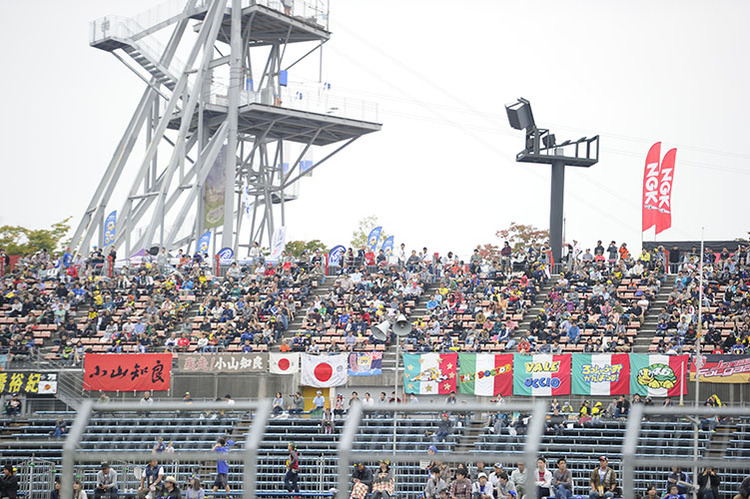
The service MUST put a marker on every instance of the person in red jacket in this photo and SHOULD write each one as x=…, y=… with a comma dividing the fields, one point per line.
x=291, y=479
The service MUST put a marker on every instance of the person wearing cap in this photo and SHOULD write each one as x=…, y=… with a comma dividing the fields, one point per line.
x=171, y=490
x=562, y=480
x=603, y=480
x=9, y=482
x=194, y=489
x=151, y=479
x=494, y=477
x=362, y=481
x=383, y=482
x=482, y=489
x=461, y=486
x=319, y=401
x=222, y=468
x=445, y=428
x=435, y=486
x=106, y=482
x=505, y=489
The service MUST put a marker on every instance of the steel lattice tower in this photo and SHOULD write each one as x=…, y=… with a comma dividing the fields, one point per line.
x=215, y=152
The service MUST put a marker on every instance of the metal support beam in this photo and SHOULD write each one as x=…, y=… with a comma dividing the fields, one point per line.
x=230, y=166
x=252, y=446
x=557, y=191
x=71, y=444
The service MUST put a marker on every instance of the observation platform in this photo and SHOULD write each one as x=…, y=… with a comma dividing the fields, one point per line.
x=269, y=26
x=284, y=123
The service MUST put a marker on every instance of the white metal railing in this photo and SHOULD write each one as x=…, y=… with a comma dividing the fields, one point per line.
x=311, y=10
x=313, y=98
x=125, y=29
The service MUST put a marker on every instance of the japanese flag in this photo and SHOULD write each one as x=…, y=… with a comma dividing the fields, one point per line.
x=323, y=371
x=283, y=363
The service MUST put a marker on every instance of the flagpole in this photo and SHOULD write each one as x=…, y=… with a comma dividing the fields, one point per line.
x=700, y=324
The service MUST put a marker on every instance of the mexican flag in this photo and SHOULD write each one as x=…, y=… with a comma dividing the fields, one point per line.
x=541, y=375
x=658, y=375
x=600, y=374
x=485, y=374
x=430, y=373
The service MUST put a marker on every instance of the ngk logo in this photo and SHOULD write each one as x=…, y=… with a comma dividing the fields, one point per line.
x=652, y=183
x=665, y=188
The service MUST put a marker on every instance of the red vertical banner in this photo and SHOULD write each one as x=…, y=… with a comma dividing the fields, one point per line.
x=651, y=186
x=664, y=205
x=128, y=371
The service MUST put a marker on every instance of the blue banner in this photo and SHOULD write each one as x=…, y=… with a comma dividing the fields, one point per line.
x=110, y=224
x=334, y=257
x=225, y=255
x=366, y=364
x=388, y=247
x=372, y=239
x=203, y=242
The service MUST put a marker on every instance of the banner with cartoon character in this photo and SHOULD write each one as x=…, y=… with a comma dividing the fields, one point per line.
x=365, y=363
x=541, y=375
x=658, y=375
x=430, y=373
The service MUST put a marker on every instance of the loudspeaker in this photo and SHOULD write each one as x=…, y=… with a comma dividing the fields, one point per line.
x=402, y=326
x=380, y=331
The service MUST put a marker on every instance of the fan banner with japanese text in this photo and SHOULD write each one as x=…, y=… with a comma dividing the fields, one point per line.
x=28, y=382
x=430, y=373
x=127, y=371
x=223, y=362
x=600, y=374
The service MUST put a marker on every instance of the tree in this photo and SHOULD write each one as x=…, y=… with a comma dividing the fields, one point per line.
x=359, y=237
x=522, y=236
x=296, y=248
x=20, y=241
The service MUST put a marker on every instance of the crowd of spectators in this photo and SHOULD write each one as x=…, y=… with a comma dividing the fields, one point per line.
x=599, y=301
x=725, y=308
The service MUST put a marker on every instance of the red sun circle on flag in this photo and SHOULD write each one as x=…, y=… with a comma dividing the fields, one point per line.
x=284, y=364
x=323, y=371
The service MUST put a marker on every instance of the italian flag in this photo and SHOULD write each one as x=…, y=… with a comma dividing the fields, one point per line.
x=658, y=375
x=600, y=374
x=541, y=375
x=430, y=373
x=485, y=374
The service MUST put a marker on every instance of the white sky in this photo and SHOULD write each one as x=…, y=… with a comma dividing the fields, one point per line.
x=441, y=172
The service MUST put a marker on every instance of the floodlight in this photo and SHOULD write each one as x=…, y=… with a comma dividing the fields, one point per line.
x=519, y=114
x=549, y=140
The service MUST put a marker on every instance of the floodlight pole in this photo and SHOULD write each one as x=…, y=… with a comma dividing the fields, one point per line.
x=557, y=193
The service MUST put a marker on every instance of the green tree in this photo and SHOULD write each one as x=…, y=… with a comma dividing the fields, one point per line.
x=359, y=237
x=296, y=248
x=522, y=236
x=19, y=240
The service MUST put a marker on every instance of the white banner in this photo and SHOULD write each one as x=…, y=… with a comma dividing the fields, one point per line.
x=283, y=363
x=324, y=371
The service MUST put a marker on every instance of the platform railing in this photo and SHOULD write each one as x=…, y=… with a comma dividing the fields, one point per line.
x=309, y=10
x=126, y=29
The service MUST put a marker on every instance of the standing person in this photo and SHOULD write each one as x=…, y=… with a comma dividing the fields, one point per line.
x=518, y=477
x=222, y=468
x=171, y=490
x=461, y=486
x=603, y=480
x=383, y=482
x=194, y=489
x=708, y=484
x=362, y=480
x=543, y=478
x=151, y=480
x=9, y=482
x=291, y=479
x=562, y=480
x=106, y=483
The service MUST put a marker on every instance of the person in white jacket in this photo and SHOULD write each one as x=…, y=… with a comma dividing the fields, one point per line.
x=543, y=478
